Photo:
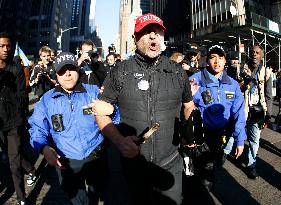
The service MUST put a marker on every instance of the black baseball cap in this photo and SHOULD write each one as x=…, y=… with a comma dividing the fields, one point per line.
x=217, y=50
x=63, y=59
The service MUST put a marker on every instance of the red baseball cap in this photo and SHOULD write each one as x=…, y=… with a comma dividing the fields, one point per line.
x=146, y=19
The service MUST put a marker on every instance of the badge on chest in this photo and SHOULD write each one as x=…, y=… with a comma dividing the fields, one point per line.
x=229, y=95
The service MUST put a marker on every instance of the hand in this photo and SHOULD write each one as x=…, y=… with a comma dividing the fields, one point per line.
x=194, y=86
x=101, y=108
x=266, y=121
x=190, y=145
x=51, y=156
x=238, y=151
x=38, y=77
x=101, y=89
x=128, y=147
x=84, y=57
x=186, y=144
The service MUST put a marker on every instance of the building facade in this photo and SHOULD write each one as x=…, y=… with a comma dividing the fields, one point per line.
x=14, y=17
x=237, y=25
x=79, y=18
x=46, y=20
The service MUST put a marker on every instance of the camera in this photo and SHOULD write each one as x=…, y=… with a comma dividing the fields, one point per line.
x=44, y=73
x=93, y=54
x=57, y=122
x=207, y=97
x=248, y=80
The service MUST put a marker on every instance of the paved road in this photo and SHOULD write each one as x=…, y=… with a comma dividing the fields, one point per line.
x=232, y=185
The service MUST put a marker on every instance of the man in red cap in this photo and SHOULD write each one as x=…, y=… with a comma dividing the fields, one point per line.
x=148, y=88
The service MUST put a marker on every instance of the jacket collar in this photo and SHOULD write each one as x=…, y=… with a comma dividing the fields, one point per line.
x=59, y=91
x=206, y=80
x=146, y=62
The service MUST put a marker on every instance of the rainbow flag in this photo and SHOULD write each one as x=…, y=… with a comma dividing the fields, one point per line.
x=20, y=53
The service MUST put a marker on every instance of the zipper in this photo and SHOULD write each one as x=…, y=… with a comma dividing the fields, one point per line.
x=150, y=110
x=70, y=101
x=170, y=160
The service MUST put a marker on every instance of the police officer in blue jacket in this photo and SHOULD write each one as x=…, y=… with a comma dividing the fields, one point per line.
x=77, y=149
x=221, y=104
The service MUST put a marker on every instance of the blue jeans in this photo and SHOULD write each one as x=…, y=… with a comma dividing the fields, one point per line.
x=253, y=137
x=253, y=131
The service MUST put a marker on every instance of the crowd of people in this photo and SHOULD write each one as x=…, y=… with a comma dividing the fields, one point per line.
x=89, y=109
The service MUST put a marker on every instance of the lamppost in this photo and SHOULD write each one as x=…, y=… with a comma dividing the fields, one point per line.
x=60, y=35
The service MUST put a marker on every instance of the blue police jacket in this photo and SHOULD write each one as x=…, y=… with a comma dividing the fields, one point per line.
x=220, y=102
x=80, y=134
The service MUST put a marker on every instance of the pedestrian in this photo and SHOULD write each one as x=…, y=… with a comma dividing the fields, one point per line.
x=257, y=91
x=43, y=74
x=12, y=116
x=233, y=67
x=77, y=149
x=53, y=55
x=148, y=88
x=177, y=57
x=88, y=61
x=110, y=62
x=221, y=104
x=193, y=56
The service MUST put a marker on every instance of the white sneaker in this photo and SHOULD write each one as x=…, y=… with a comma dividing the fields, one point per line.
x=21, y=203
x=31, y=179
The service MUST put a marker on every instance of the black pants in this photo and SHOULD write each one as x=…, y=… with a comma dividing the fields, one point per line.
x=83, y=180
x=204, y=164
x=11, y=140
x=152, y=185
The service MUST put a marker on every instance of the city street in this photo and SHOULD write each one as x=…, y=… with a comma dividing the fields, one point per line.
x=232, y=186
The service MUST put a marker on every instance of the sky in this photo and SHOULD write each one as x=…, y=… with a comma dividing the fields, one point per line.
x=107, y=20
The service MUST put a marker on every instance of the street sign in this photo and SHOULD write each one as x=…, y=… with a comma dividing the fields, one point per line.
x=242, y=48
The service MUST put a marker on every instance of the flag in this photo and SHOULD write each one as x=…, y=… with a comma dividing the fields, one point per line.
x=20, y=53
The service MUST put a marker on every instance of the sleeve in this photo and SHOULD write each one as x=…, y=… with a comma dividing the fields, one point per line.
x=116, y=115
x=39, y=127
x=33, y=75
x=21, y=87
x=187, y=96
x=112, y=86
x=100, y=71
x=268, y=96
x=237, y=111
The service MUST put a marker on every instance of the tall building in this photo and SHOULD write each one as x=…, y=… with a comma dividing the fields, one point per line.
x=79, y=18
x=124, y=15
x=46, y=20
x=14, y=18
x=237, y=25
x=145, y=6
x=92, y=16
x=175, y=14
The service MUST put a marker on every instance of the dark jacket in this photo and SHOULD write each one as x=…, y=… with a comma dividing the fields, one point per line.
x=97, y=76
x=12, y=97
x=149, y=92
x=43, y=85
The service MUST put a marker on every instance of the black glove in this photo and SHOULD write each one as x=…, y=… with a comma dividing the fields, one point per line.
x=186, y=131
